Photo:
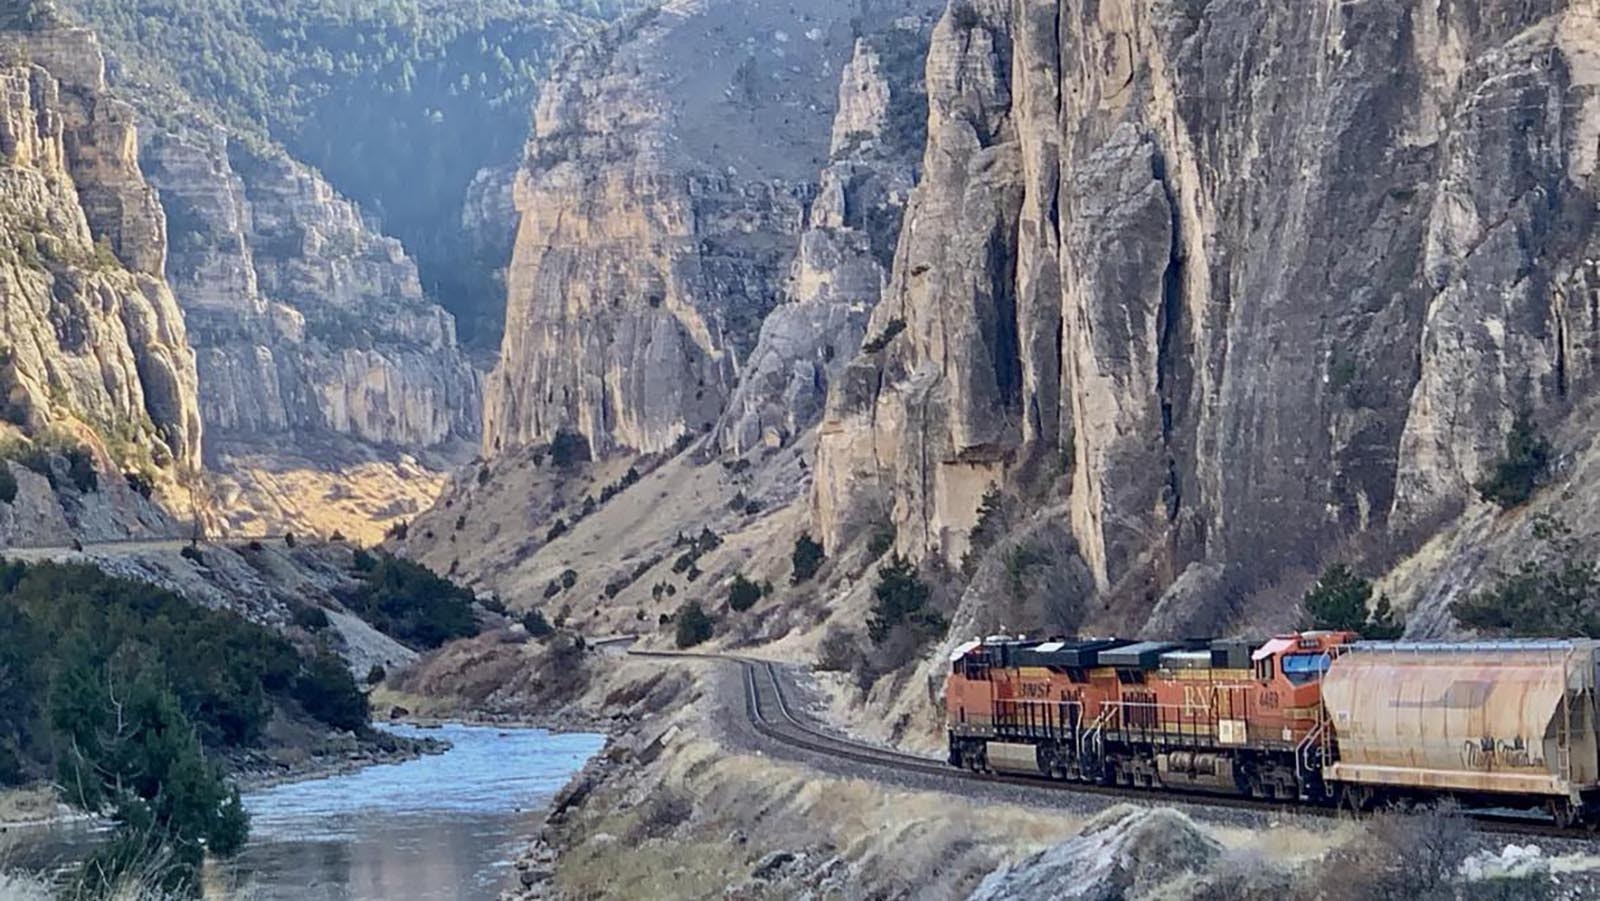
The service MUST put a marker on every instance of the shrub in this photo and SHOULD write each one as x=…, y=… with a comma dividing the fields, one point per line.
x=8, y=484
x=883, y=538
x=400, y=531
x=141, y=483
x=288, y=539
x=557, y=529
x=485, y=474
x=337, y=537
x=326, y=691
x=363, y=560
x=1555, y=593
x=881, y=341
x=1340, y=601
x=994, y=521
x=413, y=604
x=695, y=626
x=377, y=674
x=310, y=617
x=81, y=471
x=744, y=594
x=192, y=554
x=569, y=449
x=536, y=624
x=569, y=578
x=1513, y=478
x=901, y=599
x=838, y=651
x=807, y=558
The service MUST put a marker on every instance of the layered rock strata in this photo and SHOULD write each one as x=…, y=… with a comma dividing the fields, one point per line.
x=90, y=335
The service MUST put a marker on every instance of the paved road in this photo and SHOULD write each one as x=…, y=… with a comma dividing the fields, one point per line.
x=126, y=548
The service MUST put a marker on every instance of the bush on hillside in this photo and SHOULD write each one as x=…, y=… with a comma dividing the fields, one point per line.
x=807, y=558
x=8, y=484
x=694, y=625
x=743, y=594
x=1555, y=592
x=901, y=600
x=1512, y=478
x=413, y=604
x=536, y=625
x=569, y=449
x=1341, y=601
x=309, y=617
x=327, y=691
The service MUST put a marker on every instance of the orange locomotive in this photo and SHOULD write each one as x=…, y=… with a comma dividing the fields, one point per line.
x=1223, y=716
x=1313, y=716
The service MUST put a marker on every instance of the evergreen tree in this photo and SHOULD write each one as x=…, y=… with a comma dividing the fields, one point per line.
x=807, y=558
x=901, y=600
x=1513, y=478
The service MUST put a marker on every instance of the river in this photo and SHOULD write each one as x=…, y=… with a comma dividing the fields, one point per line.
x=443, y=828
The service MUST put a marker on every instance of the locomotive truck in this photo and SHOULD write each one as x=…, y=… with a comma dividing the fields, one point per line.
x=1310, y=717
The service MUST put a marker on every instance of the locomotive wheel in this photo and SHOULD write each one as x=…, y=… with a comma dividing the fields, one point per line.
x=1356, y=799
x=1561, y=811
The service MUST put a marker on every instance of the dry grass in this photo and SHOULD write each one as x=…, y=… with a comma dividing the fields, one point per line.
x=27, y=805
x=654, y=844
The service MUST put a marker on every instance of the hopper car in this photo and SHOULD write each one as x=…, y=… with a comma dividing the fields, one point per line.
x=1309, y=717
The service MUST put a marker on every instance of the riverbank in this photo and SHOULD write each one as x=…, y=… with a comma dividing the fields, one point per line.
x=37, y=807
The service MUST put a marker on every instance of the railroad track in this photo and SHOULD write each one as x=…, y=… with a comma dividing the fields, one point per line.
x=770, y=713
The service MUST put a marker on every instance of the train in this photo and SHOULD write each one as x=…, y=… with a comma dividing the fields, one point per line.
x=1313, y=717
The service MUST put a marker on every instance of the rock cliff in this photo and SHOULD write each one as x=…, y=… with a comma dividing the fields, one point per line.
x=304, y=316
x=1238, y=280
x=844, y=252
x=311, y=328
x=662, y=196
x=93, y=348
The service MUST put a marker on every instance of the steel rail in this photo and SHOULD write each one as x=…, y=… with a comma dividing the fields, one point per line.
x=778, y=722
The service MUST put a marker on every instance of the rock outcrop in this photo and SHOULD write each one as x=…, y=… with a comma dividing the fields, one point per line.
x=662, y=196
x=304, y=316
x=1125, y=852
x=311, y=327
x=93, y=347
x=844, y=253
x=1259, y=278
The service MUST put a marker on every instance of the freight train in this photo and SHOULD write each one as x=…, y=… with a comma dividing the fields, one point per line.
x=1311, y=717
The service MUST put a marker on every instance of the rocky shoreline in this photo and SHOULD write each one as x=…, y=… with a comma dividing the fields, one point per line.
x=343, y=754
x=257, y=770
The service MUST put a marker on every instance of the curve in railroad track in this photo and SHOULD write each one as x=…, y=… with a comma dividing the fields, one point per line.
x=771, y=715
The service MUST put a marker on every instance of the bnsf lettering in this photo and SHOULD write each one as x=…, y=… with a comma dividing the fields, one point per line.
x=1035, y=690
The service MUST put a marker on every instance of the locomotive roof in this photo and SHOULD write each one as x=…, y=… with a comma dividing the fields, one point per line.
x=1470, y=647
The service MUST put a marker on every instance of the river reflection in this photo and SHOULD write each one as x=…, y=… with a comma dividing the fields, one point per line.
x=443, y=827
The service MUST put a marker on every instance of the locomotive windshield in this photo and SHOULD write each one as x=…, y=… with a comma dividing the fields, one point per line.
x=1303, y=668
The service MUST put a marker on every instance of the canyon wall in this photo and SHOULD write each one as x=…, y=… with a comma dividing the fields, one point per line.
x=1248, y=279
x=93, y=348
x=662, y=197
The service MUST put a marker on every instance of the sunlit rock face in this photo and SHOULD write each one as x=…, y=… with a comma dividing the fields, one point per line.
x=661, y=202
x=93, y=348
x=1249, y=278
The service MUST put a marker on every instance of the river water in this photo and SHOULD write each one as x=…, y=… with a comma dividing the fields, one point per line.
x=443, y=828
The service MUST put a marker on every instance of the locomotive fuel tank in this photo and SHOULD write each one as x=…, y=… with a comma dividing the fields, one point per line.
x=1493, y=717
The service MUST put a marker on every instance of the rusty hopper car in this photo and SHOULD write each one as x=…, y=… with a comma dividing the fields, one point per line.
x=1496, y=721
